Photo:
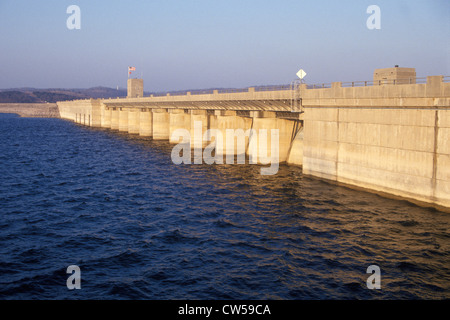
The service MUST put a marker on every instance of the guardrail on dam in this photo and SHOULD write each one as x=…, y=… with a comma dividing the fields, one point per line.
x=391, y=138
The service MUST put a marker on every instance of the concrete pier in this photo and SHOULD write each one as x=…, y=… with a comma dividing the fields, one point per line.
x=199, y=125
x=232, y=133
x=295, y=153
x=115, y=118
x=123, y=119
x=178, y=119
x=161, y=123
x=133, y=120
x=105, y=120
x=145, y=123
x=265, y=128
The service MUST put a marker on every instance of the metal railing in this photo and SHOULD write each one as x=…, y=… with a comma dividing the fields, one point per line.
x=273, y=88
x=384, y=82
x=159, y=94
x=318, y=86
x=369, y=83
x=207, y=91
x=211, y=91
x=178, y=93
x=348, y=84
x=232, y=90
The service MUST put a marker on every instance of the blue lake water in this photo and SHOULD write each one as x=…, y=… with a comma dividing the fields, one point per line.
x=141, y=227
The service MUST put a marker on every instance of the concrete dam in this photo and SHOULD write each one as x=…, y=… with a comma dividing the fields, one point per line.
x=390, y=135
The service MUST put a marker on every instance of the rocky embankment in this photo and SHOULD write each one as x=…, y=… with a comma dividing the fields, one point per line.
x=31, y=110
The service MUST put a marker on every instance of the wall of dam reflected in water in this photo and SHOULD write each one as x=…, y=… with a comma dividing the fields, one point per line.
x=141, y=227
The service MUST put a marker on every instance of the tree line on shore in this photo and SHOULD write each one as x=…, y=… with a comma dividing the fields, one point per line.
x=30, y=95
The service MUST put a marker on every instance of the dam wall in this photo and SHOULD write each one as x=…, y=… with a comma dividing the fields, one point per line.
x=393, y=139
x=31, y=110
x=205, y=126
x=86, y=112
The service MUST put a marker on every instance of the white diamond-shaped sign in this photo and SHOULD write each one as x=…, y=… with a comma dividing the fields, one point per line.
x=301, y=73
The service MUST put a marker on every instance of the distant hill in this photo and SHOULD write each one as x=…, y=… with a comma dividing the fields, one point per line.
x=17, y=96
x=32, y=95
x=101, y=92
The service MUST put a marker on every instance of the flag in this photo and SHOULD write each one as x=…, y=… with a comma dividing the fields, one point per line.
x=131, y=68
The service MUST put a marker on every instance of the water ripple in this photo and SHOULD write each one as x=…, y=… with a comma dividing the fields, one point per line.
x=140, y=227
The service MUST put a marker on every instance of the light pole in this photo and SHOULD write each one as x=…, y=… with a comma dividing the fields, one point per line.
x=296, y=101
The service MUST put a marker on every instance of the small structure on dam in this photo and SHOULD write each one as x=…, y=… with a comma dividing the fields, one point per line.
x=394, y=75
x=390, y=135
x=135, y=88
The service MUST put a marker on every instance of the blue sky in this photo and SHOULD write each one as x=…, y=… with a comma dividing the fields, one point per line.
x=191, y=44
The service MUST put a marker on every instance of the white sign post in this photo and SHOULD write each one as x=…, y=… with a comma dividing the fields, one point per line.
x=296, y=104
x=301, y=74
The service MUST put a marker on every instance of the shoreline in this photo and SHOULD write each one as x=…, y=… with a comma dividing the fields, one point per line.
x=31, y=110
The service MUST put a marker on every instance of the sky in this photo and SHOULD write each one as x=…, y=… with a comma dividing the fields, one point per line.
x=189, y=44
